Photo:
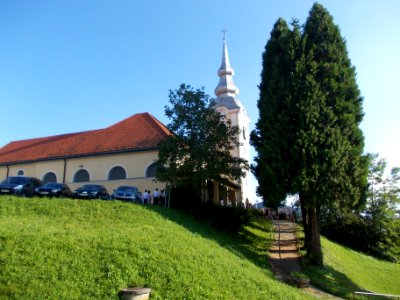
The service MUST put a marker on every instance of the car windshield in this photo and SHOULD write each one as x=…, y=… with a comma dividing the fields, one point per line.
x=126, y=189
x=16, y=180
x=90, y=187
x=52, y=185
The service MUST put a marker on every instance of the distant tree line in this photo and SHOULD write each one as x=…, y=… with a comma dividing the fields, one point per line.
x=375, y=227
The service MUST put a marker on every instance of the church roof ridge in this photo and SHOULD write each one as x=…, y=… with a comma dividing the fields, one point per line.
x=140, y=131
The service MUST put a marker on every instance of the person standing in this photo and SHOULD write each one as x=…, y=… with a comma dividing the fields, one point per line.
x=162, y=197
x=141, y=197
x=145, y=197
x=156, y=196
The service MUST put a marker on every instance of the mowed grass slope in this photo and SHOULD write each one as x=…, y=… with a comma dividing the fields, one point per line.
x=70, y=249
x=347, y=271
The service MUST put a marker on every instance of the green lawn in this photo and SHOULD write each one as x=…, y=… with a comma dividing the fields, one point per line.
x=347, y=271
x=70, y=249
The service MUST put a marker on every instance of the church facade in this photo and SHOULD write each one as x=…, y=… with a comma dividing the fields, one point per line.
x=121, y=154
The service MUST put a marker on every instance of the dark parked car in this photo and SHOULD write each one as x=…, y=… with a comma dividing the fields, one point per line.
x=20, y=185
x=52, y=189
x=91, y=191
x=127, y=193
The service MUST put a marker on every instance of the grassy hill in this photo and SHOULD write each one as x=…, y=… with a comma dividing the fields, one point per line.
x=70, y=249
x=347, y=271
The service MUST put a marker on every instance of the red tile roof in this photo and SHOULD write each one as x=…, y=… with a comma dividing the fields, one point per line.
x=138, y=132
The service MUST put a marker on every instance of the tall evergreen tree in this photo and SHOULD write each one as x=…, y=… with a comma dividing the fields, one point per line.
x=272, y=137
x=329, y=142
x=310, y=103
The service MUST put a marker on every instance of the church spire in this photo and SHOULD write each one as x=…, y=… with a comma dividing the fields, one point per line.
x=226, y=86
x=229, y=106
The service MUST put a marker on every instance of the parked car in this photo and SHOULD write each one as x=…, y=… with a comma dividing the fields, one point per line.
x=127, y=193
x=91, y=191
x=53, y=189
x=20, y=185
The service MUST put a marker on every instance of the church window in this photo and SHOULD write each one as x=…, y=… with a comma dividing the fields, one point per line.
x=49, y=177
x=117, y=173
x=81, y=176
x=151, y=170
x=244, y=133
x=20, y=172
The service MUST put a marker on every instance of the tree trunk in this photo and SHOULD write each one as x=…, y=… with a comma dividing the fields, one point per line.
x=306, y=224
x=316, y=257
x=204, y=192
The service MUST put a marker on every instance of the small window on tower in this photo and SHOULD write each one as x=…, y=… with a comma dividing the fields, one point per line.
x=244, y=133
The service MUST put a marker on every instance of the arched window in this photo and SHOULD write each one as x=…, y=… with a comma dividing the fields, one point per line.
x=49, y=177
x=222, y=110
x=117, y=173
x=81, y=176
x=20, y=172
x=151, y=170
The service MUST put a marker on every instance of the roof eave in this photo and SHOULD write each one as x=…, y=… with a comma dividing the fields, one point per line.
x=9, y=163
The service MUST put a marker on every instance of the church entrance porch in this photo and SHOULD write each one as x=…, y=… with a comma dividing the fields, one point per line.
x=224, y=195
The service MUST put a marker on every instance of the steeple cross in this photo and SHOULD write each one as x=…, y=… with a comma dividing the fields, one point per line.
x=224, y=31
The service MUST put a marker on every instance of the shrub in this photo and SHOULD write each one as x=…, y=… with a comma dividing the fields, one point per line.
x=220, y=217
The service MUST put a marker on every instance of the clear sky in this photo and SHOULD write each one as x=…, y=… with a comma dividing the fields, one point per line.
x=72, y=65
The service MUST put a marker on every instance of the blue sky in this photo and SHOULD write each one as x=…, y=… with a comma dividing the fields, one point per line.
x=68, y=66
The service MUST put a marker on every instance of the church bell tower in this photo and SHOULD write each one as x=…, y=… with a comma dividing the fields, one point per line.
x=228, y=104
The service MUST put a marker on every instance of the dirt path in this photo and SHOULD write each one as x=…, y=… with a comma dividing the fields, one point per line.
x=285, y=258
x=284, y=255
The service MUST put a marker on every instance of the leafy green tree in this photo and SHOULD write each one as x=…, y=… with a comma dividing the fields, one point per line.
x=382, y=220
x=311, y=106
x=375, y=227
x=200, y=148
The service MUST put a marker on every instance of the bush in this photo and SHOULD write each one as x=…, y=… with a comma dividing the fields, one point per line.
x=220, y=217
x=226, y=218
x=361, y=233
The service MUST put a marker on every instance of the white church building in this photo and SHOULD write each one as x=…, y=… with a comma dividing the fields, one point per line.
x=123, y=153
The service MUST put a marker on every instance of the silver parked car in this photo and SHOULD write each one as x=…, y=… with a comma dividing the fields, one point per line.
x=126, y=193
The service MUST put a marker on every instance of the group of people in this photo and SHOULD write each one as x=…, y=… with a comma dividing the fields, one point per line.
x=228, y=202
x=155, y=198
